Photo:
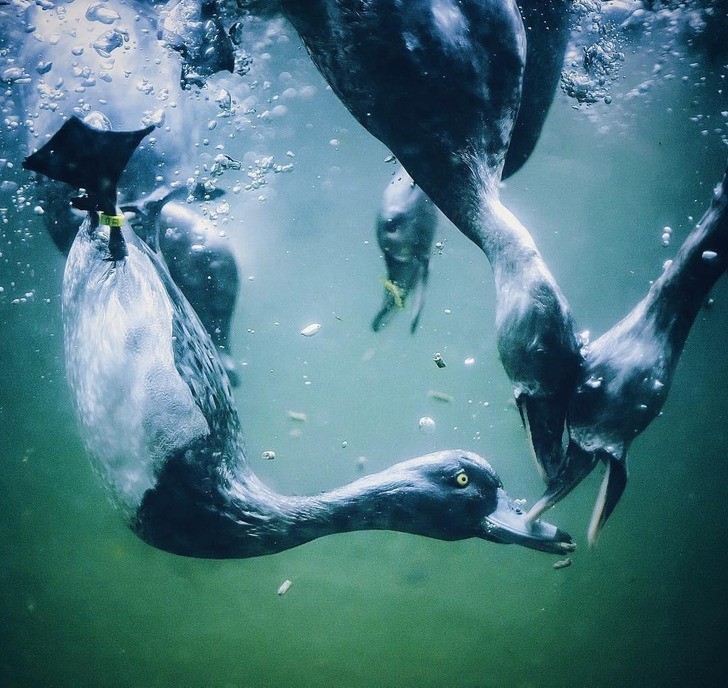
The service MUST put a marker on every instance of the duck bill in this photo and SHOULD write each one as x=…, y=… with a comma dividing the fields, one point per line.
x=509, y=524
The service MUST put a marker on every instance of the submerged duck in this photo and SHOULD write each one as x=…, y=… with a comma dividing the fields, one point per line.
x=440, y=83
x=157, y=413
x=627, y=373
x=406, y=226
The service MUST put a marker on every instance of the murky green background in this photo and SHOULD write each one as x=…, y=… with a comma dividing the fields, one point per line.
x=84, y=603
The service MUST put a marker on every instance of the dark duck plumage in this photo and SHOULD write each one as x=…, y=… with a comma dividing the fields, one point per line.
x=157, y=413
x=626, y=374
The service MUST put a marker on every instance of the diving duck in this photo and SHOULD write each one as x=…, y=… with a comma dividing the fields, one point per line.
x=157, y=415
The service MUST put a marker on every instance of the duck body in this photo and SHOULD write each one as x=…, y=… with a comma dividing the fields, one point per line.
x=437, y=81
x=406, y=226
x=145, y=406
x=548, y=28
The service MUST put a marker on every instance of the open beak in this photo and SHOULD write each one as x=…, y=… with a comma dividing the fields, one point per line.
x=509, y=524
x=578, y=465
x=612, y=487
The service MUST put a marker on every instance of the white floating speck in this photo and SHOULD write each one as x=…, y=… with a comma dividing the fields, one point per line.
x=594, y=382
x=298, y=416
x=469, y=361
x=709, y=256
x=427, y=425
x=285, y=585
x=311, y=330
x=269, y=455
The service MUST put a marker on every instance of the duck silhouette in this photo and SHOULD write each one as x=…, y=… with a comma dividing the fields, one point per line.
x=626, y=374
x=406, y=225
x=440, y=83
x=157, y=415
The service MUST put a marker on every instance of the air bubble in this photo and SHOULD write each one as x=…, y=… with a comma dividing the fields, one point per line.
x=426, y=425
x=101, y=14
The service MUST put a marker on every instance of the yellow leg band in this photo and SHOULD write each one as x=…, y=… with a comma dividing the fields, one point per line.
x=111, y=220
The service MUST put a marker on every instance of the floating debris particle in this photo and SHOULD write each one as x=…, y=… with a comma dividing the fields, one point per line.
x=563, y=563
x=311, y=330
x=298, y=416
x=361, y=463
x=438, y=360
x=269, y=455
x=284, y=587
x=440, y=396
x=709, y=256
x=427, y=425
x=469, y=361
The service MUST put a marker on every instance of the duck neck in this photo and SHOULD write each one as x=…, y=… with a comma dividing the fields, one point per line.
x=675, y=299
x=223, y=516
x=508, y=245
x=476, y=210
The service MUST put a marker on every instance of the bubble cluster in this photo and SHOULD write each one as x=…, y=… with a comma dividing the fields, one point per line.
x=593, y=60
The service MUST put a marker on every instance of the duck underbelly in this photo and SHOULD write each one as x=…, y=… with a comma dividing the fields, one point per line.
x=134, y=408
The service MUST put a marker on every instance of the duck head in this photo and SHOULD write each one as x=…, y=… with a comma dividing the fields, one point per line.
x=447, y=495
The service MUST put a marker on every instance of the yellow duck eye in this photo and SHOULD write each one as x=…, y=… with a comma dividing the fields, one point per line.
x=462, y=479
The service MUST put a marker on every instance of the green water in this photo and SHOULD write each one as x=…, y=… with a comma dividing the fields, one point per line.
x=85, y=603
